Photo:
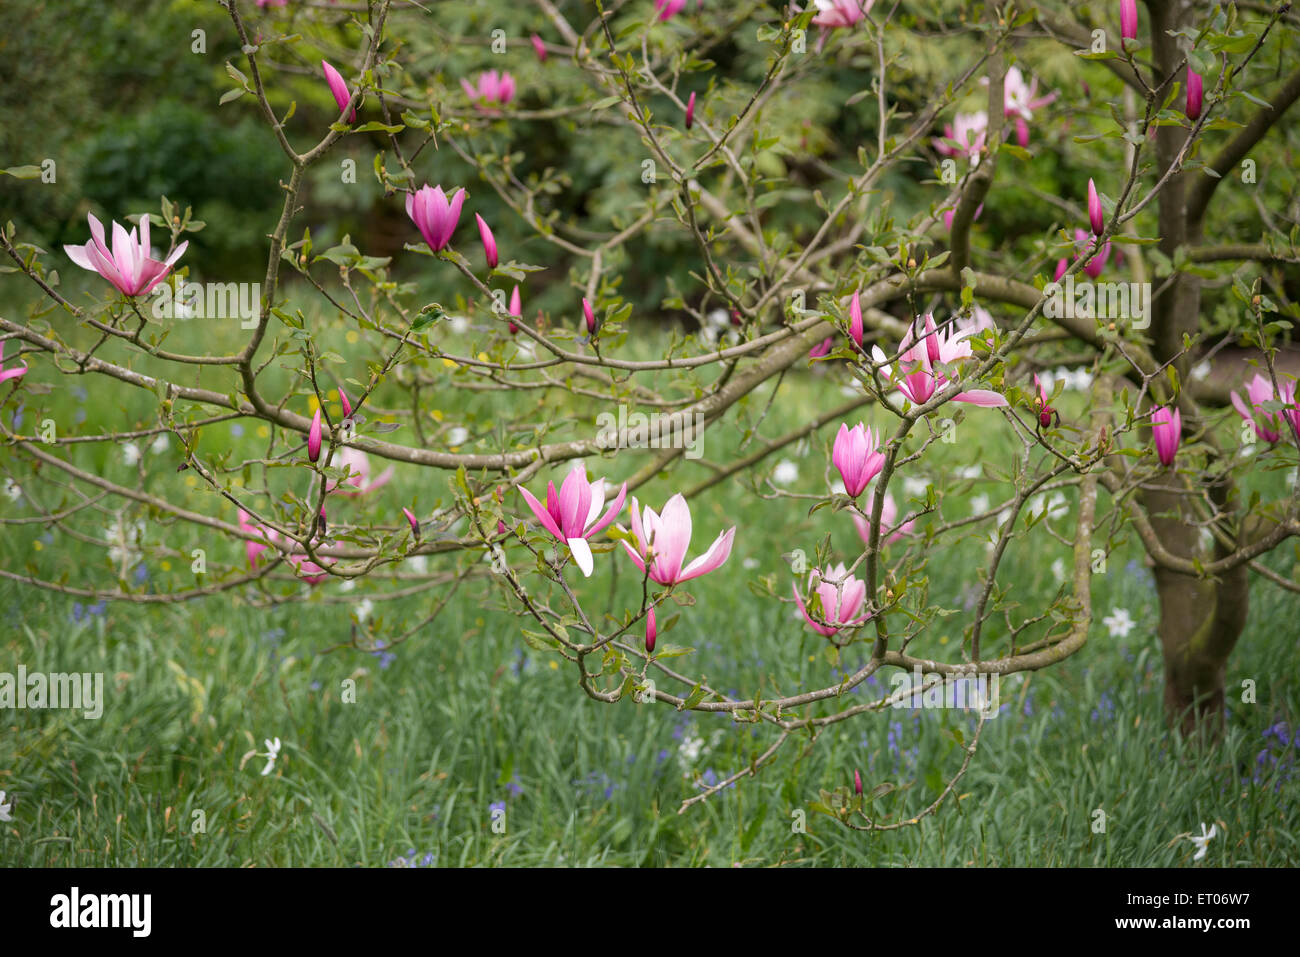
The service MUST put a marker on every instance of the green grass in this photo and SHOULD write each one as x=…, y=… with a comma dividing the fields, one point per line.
x=466, y=714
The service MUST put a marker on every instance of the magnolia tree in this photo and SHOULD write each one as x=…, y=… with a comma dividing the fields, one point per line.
x=887, y=281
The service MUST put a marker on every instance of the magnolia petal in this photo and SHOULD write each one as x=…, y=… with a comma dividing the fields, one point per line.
x=613, y=511
x=582, y=555
x=715, y=557
x=982, y=397
x=540, y=511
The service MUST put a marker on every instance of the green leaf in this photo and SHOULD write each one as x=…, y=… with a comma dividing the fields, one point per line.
x=374, y=126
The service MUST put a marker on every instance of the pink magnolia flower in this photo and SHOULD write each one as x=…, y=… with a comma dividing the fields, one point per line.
x=1020, y=99
x=7, y=374
x=964, y=136
x=1268, y=425
x=492, y=89
x=435, y=215
x=919, y=379
x=1094, y=266
x=840, y=13
x=128, y=266
x=305, y=568
x=661, y=543
x=949, y=214
x=516, y=310
x=1166, y=432
x=314, y=437
x=979, y=320
x=840, y=599
x=339, y=88
x=1045, y=411
x=821, y=349
x=1195, y=94
x=1096, y=216
x=489, y=242
x=855, y=319
x=572, y=514
x=858, y=456
x=359, y=482
x=888, y=516
x=1128, y=19
x=669, y=8
x=539, y=48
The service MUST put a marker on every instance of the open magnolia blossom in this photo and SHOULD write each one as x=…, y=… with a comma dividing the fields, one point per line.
x=662, y=540
x=435, y=214
x=129, y=264
x=573, y=514
x=964, y=137
x=491, y=89
x=360, y=481
x=1093, y=267
x=1268, y=425
x=919, y=379
x=7, y=374
x=305, y=568
x=888, y=516
x=840, y=13
x=836, y=600
x=1020, y=99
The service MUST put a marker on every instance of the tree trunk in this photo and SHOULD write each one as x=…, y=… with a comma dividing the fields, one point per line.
x=1200, y=620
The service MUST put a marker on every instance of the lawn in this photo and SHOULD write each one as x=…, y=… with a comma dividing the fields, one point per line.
x=403, y=756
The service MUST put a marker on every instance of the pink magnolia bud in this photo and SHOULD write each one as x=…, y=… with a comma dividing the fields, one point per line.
x=501, y=528
x=489, y=242
x=1045, y=411
x=1022, y=132
x=314, y=437
x=539, y=48
x=651, y=630
x=1166, y=432
x=415, y=525
x=1128, y=19
x=1195, y=94
x=1096, y=218
x=857, y=781
x=1061, y=266
x=324, y=522
x=343, y=401
x=736, y=319
x=589, y=315
x=855, y=319
x=339, y=88
x=690, y=111
x=821, y=349
x=516, y=309
x=858, y=455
